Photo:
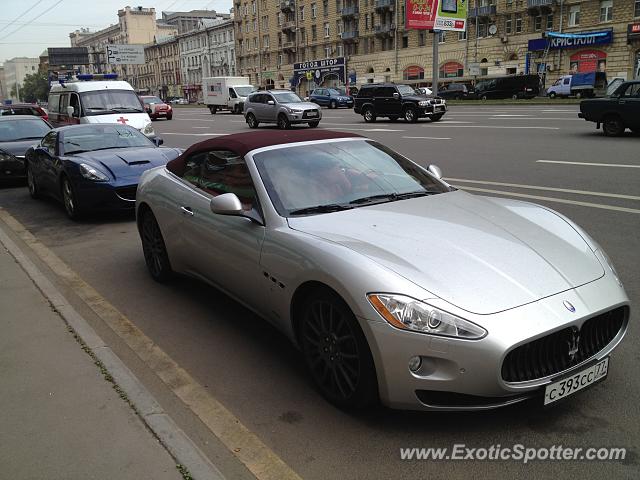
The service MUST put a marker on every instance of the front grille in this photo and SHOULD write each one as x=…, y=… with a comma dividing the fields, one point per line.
x=551, y=354
x=306, y=114
x=127, y=193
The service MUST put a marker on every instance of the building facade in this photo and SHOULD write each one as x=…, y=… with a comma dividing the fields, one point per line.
x=15, y=70
x=161, y=74
x=187, y=21
x=280, y=43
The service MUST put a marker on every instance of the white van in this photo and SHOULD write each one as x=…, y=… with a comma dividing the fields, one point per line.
x=97, y=101
x=226, y=93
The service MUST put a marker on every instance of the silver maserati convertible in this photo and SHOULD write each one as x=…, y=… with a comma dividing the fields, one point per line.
x=394, y=285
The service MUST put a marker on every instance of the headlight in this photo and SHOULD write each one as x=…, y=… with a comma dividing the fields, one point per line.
x=148, y=129
x=90, y=173
x=423, y=103
x=294, y=110
x=606, y=261
x=408, y=313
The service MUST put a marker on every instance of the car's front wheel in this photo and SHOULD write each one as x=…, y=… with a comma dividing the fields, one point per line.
x=252, y=121
x=32, y=183
x=437, y=117
x=213, y=109
x=613, y=126
x=336, y=352
x=314, y=124
x=410, y=115
x=333, y=104
x=153, y=248
x=169, y=117
x=69, y=198
x=283, y=122
x=369, y=115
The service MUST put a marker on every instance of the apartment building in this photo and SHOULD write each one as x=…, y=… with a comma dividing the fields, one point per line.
x=15, y=70
x=161, y=74
x=187, y=21
x=302, y=43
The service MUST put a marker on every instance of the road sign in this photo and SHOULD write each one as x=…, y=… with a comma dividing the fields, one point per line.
x=474, y=69
x=68, y=56
x=125, y=54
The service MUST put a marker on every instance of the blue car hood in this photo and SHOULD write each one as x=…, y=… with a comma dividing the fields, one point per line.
x=127, y=163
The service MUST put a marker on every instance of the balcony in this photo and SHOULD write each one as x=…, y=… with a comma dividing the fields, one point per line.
x=287, y=6
x=385, y=5
x=289, y=46
x=352, y=11
x=290, y=25
x=351, y=36
x=385, y=29
x=537, y=7
x=482, y=12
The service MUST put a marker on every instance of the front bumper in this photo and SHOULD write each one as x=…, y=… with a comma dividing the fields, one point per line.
x=304, y=117
x=467, y=374
x=440, y=108
x=104, y=196
x=12, y=167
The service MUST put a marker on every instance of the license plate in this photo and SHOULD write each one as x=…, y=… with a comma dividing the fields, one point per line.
x=312, y=114
x=440, y=108
x=576, y=382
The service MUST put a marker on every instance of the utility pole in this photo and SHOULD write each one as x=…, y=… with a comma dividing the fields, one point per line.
x=436, y=69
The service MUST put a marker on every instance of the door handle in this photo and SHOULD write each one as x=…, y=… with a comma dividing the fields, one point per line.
x=187, y=211
x=622, y=102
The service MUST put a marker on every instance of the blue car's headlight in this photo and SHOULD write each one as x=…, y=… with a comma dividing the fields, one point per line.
x=91, y=173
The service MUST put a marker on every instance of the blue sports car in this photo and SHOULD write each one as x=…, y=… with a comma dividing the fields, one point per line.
x=93, y=166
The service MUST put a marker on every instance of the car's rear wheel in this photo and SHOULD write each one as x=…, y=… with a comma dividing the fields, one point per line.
x=314, y=124
x=252, y=121
x=437, y=117
x=369, y=115
x=483, y=97
x=153, y=247
x=283, y=122
x=336, y=351
x=578, y=94
x=333, y=104
x=213, y=109
x=613, y=126
x=32, y=183
x=70, y=200
x=552, y=95
x=410, y=115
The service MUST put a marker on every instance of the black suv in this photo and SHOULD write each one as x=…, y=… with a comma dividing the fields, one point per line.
x=395, y=101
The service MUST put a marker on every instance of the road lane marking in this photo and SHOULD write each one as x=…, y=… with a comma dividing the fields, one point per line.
x=553, y=199
x=196, y=134
x=550, y=189
x=199, y=127
x=196, y=119
x=509, y=115
x=259, y=459
x=430, y=138
x=617, y=165
x=495, y=117
x=497, y=127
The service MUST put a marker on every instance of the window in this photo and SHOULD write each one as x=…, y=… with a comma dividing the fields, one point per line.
x=405, y=41
x=325, y=7
x=549, y=22
x=327, y=30
x=49, y=141
x=518, y=23
x=482, y=29
x=339, y=27
x=422, y=38
x=339, y=50
x=637, y=9
x=606, y=10
x=441, y=36
x=314, y=33
x=462, y=35
x=314, y=10
x=253, y=7
x=327, y=51
x=508, y=25
x=632, y=90
x=301, y=15
x=537, y=23
x=366, y=22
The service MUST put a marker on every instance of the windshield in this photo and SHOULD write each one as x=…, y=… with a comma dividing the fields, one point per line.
x=149, y=100
x=286, y=97
x=244, y=91
x=406, y=90
x=102, y=137
x=333, y=91
x=101, y=102
x=340, y=174
x=27, y=129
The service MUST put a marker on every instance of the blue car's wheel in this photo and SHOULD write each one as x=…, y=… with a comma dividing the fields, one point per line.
x=34, y=191
x=69, y=198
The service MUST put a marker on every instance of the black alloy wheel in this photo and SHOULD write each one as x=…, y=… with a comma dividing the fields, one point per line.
x=410, y=115
x=613, y=126
x=69, y=199
x=153, y=247
x=283, y=122
x=251, y=121
x=314, y=124
x=333, y=104
x=32, y=183
x=336, y=352
x=369, y=115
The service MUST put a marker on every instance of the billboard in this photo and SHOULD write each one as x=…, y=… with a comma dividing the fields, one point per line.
x=125, y=54
x=68, y=56
x=436, y=15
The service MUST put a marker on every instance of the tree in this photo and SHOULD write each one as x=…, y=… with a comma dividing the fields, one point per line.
x=35, y=88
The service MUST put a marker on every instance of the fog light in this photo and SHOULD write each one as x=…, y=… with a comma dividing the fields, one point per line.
x=415, y=363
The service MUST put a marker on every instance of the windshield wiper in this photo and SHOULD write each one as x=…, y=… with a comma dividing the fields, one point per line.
x=331, y=207
x=391, y=197
x=126, y=110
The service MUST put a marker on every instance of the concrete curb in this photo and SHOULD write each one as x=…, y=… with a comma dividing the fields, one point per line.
x=172, y=437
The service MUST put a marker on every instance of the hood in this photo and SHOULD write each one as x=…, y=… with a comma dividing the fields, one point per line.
x=127, y=163
x=482, y=255
x=136, y=120
x=18, y=148
x=302, y=105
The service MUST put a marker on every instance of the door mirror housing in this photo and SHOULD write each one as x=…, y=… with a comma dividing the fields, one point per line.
x=270, y=102
x=70, y=110
x=396, y=95
x=227, y=204
x=158, y=141
x=435, y=171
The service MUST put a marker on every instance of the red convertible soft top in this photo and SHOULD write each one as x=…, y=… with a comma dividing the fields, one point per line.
x=243, y=143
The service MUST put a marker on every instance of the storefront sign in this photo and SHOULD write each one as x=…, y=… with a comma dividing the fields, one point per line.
x=317, y=70
x=560, y=41
x=633, y=32
x=436, y=14
x=588, y=61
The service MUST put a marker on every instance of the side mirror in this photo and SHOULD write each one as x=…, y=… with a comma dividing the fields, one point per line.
x=435, y=171
x=270, y=102
x=70, y=110
x=42, y=148
x=396, y=95
x=158, y=141
x=226, y=204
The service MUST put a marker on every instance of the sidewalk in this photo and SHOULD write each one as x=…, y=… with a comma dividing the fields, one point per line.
x=59, y=418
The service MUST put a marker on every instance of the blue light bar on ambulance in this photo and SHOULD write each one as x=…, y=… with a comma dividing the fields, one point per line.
x=97, y=76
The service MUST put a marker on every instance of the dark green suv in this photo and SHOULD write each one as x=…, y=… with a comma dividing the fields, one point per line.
x=395, y=101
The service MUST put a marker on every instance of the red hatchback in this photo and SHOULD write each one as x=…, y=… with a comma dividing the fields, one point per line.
x=156, y=108
x=24, y=109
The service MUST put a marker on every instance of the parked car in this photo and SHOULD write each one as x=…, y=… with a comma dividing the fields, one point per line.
x=17, y=134
x=591, y=84
x=24, y=109
x=178, y=101
x=512, y=86
x=156, y=108
x=394, y=285
x=454, y=91
x=394, y=101
x=330, y=97
x=617, y=112
x=426, y=91
x=283, y=107
x=93, y=167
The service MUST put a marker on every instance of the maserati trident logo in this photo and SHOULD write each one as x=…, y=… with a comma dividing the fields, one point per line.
x=573, y=343
x=569, y=306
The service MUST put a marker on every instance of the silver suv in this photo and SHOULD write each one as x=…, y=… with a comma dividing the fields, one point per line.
x=283, y=107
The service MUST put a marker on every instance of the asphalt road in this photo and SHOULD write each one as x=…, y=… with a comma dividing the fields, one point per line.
x=251, y=369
